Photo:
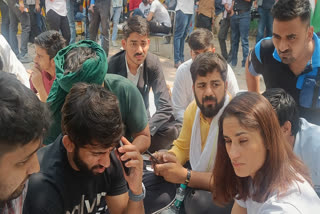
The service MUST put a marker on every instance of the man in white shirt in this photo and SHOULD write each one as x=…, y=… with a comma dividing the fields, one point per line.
x=184, y=11
x=56, y=16
x=158, y=18
x=300, y=134
x=200, y=40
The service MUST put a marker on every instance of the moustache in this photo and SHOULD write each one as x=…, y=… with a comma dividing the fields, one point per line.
x=97, y=167
x=284, y=52
x=138, y=54
x=210, y=98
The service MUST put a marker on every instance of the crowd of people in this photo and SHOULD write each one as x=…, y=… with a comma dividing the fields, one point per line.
x=77, y=131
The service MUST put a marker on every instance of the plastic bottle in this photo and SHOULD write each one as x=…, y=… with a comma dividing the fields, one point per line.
x=175, y=207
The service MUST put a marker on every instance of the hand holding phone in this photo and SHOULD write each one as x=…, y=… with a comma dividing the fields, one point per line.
x=153, y=158
x=126, y=169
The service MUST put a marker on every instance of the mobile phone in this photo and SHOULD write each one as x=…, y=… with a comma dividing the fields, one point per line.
x=153, y=158
x=126, y=169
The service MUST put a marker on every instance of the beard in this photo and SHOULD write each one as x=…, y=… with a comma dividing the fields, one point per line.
x=17, y=192
x=82, y=166
x=210, y=110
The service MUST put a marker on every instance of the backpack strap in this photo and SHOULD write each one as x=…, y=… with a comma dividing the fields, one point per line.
x=316, y=90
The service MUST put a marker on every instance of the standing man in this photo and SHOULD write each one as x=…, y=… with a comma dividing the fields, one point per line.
x=240, y=25
x=18, y=12
x=206, y=14
x=81, y=170
x=24, y=121
x=34, y=8
x=56, y=16
x=291, y=58
x=5, y=21
x=266, y=19
x=197, y=142
x=117, y=10
x=144, y=70
x=184, y=11
x=224, y=28
x=100, y=14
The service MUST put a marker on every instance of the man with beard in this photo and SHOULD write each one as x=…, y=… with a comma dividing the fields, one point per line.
x=197, y=142
x=24, y=119
x=144, y=70
x=291, y=58
x=81, y=171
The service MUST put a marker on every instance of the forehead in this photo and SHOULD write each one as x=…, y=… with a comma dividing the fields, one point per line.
x=97, y=147
x=284, y=28
x=210, y=76
x=41, y=51
x=137, y=37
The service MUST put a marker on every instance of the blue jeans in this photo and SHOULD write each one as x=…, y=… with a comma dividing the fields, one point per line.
x=72, y=25
x=180, y=34
x=137, y=12
x=193, y=19
x=264, y=22
x=5, y=20
x=240, y=25
x=116, y=16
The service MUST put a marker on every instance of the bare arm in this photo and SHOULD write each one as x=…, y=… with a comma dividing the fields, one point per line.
x=237, y=209
x=36, y=79
x=253, y=82
x=150, y=15
x=142, y=140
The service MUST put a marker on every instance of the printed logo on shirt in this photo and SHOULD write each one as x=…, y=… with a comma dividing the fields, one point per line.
x=87, y=206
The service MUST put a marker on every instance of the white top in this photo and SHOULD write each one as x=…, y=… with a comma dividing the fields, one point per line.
x=133, y=78
x=11, y=64
x=161, y=14
x=116, y=3
x=299, y=199
x=58, y=6
x=182, y=93
x=144, y=9
x=307, y=148
x=186, y=6
x=229, y=2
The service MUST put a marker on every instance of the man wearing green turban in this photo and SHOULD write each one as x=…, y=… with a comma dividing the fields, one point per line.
x=86, y=61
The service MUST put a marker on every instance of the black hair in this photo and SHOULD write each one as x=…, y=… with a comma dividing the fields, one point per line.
x=91, y=113
x=285, y=107
x=136, y=24
x=76, y=57
x=52, y=41
x=1, y=64
x=287, y=10
x=23, y=118
x=206, y=63
x=200, y=39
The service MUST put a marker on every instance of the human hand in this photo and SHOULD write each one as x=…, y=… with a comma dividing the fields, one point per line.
x=36, y=78
x=165, y=157
x=21, y=6
x=171, y=172
x=91, y=8
x=38, y=7
x=135, y=162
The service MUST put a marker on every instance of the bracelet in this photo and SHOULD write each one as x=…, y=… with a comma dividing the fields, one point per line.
x=140, y=197
x=188, y=177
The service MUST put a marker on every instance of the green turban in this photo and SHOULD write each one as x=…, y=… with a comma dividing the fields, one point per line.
x=93, y=70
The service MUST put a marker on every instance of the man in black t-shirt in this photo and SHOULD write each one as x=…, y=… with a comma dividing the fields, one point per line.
x=290, y=59
x=80, y=172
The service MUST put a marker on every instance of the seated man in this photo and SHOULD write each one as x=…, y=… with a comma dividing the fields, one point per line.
x=144, y=70
x=301, y=135
x=43, y=73
x=197, y=141
x=158, y=18
x=80, y=171
x=86, y=61
x=143, y=10
x=10, y=62
x=24, y=120
x=200, y=41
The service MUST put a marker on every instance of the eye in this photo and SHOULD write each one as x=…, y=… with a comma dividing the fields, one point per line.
x=243, y=141
x=20, y=164
x=292, y=37
x=227, y=140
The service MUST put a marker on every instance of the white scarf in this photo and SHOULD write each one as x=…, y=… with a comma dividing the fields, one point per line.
x=203, y=161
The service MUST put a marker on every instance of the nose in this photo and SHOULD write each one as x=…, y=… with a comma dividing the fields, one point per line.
x=283, y=45
x=34, y=165
x=105, y=160
x=208, y=90
x=233, y=151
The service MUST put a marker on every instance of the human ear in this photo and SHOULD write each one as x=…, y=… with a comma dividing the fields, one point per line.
x=68, y=144
x=286, y=129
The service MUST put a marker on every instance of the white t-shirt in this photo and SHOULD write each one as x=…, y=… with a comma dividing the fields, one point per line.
x=160, y=13
x=186, y=6
x=229, y=2
x=299, y=199
x=58, y=6
x=182, y=93
x=144, y=9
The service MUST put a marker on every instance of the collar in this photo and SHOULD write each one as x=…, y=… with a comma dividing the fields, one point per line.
x=133, y=78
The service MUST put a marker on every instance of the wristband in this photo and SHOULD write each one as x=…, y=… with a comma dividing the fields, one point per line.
x=140, y=197
x=188, y=177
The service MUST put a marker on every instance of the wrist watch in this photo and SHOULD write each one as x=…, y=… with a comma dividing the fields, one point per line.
x=188, y=177
x=140, y=197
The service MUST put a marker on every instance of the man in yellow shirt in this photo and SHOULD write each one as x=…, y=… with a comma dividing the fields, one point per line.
x=197, y=142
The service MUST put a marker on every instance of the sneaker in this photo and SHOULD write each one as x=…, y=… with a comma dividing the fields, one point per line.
x=120, y=26
x=24, y=58
x=114, y=43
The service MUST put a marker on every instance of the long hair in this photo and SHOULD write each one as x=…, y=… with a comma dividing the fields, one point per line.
x=281, y=167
